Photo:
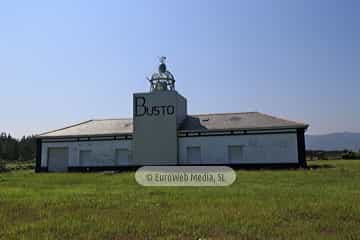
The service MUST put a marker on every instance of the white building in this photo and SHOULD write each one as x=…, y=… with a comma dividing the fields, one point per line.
x=162, y=133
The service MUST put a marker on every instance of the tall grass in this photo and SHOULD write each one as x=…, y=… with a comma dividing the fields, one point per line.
x=322, y=203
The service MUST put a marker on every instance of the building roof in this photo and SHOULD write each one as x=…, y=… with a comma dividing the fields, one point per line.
x=236, y=121
x=95, y=127
x=201, y=122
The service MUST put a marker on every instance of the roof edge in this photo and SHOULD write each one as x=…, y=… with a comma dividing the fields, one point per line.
x=73, y=125
x=224, y=113
x=284, y=119
x=85, y=136
x=249, y=129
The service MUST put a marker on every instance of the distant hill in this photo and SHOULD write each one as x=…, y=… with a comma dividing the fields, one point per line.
x=333, y=141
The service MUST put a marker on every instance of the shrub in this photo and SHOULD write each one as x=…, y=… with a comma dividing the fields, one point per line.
x=2, y=166
x=351, y=155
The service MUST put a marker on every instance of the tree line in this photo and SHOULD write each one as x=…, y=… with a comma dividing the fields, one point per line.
x=12, y=149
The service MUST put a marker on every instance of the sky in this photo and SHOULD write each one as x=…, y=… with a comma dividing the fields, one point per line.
x=64, y=62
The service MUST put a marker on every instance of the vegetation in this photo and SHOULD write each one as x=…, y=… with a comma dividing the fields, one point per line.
x=12, y=149
x=19, y=165
x=351, y=155
x=331, y=155
x=320, y=203
x=2, y=166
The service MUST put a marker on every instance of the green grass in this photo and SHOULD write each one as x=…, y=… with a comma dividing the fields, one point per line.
x=323, y=203
x=19, y=165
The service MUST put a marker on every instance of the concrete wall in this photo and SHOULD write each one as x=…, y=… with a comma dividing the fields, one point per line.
x=155, y=131
x=266, y=148
x=103, y=153
x=181, y=110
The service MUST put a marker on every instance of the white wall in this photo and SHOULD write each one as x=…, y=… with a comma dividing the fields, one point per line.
x=267, y=148
x=103, y=153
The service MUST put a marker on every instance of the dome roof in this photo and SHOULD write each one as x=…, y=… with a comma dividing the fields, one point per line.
x=162, y=80
x=163, y=76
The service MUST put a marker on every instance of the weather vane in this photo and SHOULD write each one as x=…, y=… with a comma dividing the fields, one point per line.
x=162, y=59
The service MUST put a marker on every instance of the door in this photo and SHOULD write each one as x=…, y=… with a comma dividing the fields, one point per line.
x=58, y=159
x=122, y=157
x=193, y=155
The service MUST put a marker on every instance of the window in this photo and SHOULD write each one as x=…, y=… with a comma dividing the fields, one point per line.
x=235, y=154
x=194, y=155
x=122, y=156
x=85, y=158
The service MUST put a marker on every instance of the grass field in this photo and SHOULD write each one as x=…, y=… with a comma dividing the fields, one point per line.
x=322, y=203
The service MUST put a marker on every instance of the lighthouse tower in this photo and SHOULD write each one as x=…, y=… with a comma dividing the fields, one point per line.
x=157, y=115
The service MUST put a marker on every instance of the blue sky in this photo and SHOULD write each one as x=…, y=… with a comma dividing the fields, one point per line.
x=68, y=61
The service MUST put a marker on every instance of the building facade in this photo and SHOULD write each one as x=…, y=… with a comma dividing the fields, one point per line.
x=162, y=133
